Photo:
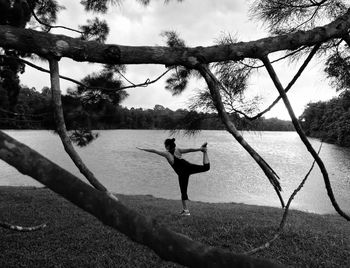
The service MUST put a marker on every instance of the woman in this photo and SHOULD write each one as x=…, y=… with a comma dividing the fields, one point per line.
x=182, y=168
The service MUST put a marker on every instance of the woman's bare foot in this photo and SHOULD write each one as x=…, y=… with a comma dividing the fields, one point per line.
x=204, y=147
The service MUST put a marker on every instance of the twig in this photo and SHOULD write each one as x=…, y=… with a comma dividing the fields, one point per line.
x=276, y=60
x=147, y=82
x=309, y=19
x=144, y=84
x=285, y=213
x=291, y=83
x=22, y=228
x=314, y=3
x=121, y=74
x=303, y=137
x=54, y=26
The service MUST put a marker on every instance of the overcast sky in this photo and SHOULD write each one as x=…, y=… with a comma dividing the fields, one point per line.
x=199, y=23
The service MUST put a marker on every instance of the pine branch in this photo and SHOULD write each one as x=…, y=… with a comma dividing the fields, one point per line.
x=291, y=83
x=144, y=84
x=53, y=26
x=147, y=82
x=285, y=213
x=303, y=137
x=289, y=86
x=276, y=60
x=61, y=127
x=214, y=86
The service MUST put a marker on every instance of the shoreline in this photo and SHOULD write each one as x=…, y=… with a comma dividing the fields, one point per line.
x=74, y=238
x=191, y=201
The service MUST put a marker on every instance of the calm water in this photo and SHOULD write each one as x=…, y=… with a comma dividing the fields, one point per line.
x=234, y=176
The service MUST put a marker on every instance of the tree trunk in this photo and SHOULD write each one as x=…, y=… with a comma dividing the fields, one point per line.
x=168, y=245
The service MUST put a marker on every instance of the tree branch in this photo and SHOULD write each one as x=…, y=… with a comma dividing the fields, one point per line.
x=285, y=213
x=147, y=82
x=53, y=26
x=309, y=19
x=167, y=244
x=48, y=45
x=214, y=86
x=291, y=83
x=144, y=84
x=276, y=60
x=22, y=228
x=303, y=137
x=313, y=4
x=61, y=127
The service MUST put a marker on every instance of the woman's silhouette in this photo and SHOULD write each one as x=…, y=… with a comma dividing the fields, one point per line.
x=182, y=167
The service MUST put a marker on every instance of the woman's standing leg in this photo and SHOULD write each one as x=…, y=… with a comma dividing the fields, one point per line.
x=184, y=205
x=183, y=181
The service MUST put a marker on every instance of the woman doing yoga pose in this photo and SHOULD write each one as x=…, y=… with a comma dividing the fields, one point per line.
x=182, y=167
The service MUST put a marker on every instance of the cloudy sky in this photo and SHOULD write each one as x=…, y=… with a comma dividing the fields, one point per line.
x=199, y=23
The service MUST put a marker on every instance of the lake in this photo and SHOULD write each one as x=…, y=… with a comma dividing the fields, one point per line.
x=234, y=176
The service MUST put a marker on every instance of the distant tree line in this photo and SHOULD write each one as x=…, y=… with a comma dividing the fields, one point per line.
x=33, y=111
x=330, y=120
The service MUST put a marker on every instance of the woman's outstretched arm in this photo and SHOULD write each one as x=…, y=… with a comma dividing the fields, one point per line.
x=189, y=150
x=153, y=151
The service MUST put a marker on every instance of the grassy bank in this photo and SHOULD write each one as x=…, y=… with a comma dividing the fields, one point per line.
x=75, y=239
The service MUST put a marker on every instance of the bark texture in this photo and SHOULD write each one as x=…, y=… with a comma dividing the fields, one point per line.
x=168, y=245
x=50, y=45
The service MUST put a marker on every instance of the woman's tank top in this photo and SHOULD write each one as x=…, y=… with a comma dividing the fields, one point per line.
x=180, y=165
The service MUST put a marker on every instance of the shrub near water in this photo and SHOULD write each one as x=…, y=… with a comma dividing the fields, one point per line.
x=74, y=238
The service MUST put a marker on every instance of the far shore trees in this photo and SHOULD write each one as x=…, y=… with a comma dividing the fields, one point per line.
x=293, y=25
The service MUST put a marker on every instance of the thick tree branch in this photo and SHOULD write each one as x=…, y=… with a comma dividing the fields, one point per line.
x=214, y=86
x=167, y=244
x=61, y=127
x=48, y=45
x=18, y=228
x=303, y=137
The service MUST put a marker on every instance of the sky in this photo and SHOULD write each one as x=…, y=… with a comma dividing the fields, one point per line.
x=199, y=23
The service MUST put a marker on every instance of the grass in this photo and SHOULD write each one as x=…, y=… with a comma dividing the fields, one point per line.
x=74, y=238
